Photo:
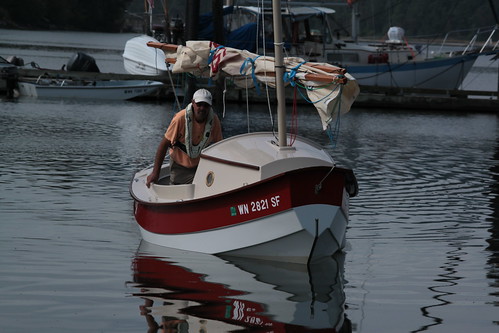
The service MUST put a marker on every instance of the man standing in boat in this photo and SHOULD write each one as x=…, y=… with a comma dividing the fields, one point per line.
x=190, y=130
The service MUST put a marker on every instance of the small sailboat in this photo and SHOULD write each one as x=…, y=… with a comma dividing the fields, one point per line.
x=255, y=195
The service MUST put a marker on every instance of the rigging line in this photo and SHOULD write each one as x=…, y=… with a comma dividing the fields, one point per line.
x=269, y=106
x=261, y=6
x=224, y=99
x=308, y=100
x=247, y=104
x=391, y=68
x=318, y=187
x=258, y=20
x=294, y=119
x=334, y=133
x=174, y=88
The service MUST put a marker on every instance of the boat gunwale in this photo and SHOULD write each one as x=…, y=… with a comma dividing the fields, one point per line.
x=336, y=169
x=149, y=84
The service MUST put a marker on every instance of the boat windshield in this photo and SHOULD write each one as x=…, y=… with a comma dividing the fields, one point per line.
x=305, y=32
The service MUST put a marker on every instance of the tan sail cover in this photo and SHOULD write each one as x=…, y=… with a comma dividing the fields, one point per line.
x=208, y=59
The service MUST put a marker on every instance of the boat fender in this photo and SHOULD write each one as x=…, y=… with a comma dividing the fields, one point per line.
x=191, y=150
x=351, y=185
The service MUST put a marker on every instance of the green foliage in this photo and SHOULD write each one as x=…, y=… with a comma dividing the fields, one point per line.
x=419, y=18
x=426, y=18
x=88, y=15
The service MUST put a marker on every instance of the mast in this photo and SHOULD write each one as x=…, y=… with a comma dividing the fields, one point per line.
x=279, y=70
x=355, y=20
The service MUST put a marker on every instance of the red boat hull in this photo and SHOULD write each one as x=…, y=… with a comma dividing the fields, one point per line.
x=265, y=198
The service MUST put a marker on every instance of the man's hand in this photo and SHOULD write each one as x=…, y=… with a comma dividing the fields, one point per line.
x=158, y=161
x=152, y=178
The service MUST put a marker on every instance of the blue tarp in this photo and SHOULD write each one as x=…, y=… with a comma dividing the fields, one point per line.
x=243, y=38
x=206, y=24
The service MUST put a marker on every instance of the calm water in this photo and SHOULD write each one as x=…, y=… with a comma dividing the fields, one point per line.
x=423, y=236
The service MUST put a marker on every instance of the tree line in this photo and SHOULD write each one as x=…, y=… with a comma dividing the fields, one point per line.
x=419, y=18
x=83, y=15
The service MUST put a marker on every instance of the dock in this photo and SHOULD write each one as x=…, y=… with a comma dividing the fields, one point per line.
x=428, y=99
x=370, y=96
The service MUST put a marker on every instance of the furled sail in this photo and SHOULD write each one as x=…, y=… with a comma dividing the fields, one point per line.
x=329, y=88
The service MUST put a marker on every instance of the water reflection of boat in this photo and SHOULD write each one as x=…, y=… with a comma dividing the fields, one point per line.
x=193, y=290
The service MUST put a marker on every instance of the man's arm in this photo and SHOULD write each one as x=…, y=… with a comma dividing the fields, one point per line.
x=158, y=161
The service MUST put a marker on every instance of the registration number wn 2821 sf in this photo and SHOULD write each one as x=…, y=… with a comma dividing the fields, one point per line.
x=256, y=206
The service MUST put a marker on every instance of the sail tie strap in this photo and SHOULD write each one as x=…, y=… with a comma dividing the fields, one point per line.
x=333, y=133
x=289, y=77
x=243, y=70
x=212, y=53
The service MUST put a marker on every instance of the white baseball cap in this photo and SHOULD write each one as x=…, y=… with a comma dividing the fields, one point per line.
x=202, y=95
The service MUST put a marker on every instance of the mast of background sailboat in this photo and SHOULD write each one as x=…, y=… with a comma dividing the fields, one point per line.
x=279, y=70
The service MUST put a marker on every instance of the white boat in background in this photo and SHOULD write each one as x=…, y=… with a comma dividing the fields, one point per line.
x=140, y=61
x=390, y=63
x=442, y=73
x=104, y=90
x=256, y=195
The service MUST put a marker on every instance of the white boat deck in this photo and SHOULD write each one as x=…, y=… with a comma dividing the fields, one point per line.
x=234, y=162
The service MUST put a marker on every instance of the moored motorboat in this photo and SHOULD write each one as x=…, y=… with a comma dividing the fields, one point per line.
x=67, y=83
x=109, y=90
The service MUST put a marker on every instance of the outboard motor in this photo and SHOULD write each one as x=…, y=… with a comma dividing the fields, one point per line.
x=82, y=62
x=8, y=77
x=14, y=60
